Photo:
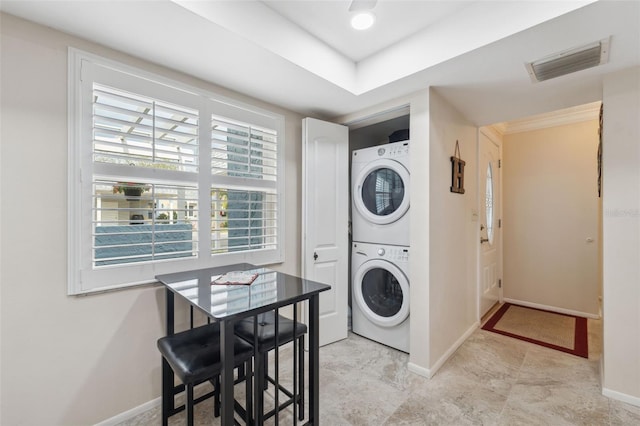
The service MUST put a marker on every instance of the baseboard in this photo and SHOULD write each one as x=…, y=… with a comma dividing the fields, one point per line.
x=633, y=400
x=129, y=414
x=421, y=371
x=429, y=372
x=552, y=308
x=601, y=372
x=454, y=348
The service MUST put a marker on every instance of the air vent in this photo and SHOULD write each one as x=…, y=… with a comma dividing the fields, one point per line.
x=569, y=61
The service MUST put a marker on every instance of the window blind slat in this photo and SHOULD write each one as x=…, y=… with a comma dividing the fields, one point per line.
x=147, y=132
x=223, y=139
x=166, y=127
x=243, y=220
x=109, y=96
x=145, y=151
x=142, y=222
x=264, y=153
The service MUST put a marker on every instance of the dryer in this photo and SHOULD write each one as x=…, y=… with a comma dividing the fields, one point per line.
x=380, y=292
x=380, y=194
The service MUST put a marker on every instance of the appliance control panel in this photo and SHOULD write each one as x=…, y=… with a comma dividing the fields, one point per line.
x=398, y=254
x=393, y=150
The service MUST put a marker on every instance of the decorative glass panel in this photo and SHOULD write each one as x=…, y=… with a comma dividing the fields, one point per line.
x=489, y=203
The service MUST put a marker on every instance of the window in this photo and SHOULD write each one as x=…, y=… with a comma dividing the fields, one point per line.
x=164, y=177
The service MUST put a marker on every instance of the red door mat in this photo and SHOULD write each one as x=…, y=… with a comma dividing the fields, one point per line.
x=562, y=332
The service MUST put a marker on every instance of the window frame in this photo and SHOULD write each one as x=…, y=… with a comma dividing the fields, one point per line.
x=85, y=69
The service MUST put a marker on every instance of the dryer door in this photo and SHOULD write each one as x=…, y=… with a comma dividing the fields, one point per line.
x=381, y=291
x=381, y=191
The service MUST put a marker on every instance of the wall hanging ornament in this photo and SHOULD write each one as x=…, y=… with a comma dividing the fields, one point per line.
x=600, y=152
x=457, y=171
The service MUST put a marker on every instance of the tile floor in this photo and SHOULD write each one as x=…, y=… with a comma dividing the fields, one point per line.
x=490, y=380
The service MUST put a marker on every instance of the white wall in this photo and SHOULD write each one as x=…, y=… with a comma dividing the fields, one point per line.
x=453, y=234
x=74, y=360
x=443, y=236
x=621, y=236
x=420, y=333
x=550, y=208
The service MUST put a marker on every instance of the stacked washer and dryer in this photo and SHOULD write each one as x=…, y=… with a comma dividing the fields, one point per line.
x=380, y=249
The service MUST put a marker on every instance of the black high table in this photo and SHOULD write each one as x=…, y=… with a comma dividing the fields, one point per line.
x=229, y=303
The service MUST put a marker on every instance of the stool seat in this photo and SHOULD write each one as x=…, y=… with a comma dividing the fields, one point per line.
x=194, y=355
x=267, y=331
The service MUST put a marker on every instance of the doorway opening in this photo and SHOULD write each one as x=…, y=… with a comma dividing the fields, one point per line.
x=549, y=214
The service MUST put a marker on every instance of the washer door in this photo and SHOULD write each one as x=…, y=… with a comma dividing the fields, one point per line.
x=381, y=291
x=381, y=191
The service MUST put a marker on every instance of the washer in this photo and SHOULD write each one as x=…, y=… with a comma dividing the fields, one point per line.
x=380, y=194
x=380, y=292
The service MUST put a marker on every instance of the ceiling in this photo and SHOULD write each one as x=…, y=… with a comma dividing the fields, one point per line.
x=328, y=21
x=303, y=56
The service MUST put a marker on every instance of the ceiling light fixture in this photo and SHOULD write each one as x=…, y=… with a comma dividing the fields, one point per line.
x=363, y=20
x=364, y=17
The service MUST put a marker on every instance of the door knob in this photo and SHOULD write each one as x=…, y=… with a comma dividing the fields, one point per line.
x=484, y=240
x=315, y=256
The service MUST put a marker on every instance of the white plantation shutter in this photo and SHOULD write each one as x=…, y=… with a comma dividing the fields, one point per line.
x=243, y=151
x=246, y=158
x=248, y=222
x=147, y=196
x=138, y=132
x=147, y=227
x=135, y=130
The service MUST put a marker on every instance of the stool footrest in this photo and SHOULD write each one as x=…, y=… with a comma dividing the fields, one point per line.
x=201, y=398
x=285, y=404
x=205, y=396
x=282, y=406
x=282, y=388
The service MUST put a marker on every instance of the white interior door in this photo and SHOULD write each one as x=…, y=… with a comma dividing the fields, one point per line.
x=490, y=238
x=325, y=218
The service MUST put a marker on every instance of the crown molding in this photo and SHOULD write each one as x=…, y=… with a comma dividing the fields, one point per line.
x=551, y=119
x=494, y=132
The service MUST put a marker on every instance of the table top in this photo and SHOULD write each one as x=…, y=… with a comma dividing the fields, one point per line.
x=270, y=289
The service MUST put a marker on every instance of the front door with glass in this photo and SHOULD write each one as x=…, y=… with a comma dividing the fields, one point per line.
x=490, y=248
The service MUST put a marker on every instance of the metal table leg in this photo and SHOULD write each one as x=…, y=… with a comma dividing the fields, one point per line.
x=314, y=366
x=168, y=384
x=226, y=357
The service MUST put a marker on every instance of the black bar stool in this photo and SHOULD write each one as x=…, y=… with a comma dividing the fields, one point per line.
x=263, y=332
x=194, y=356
